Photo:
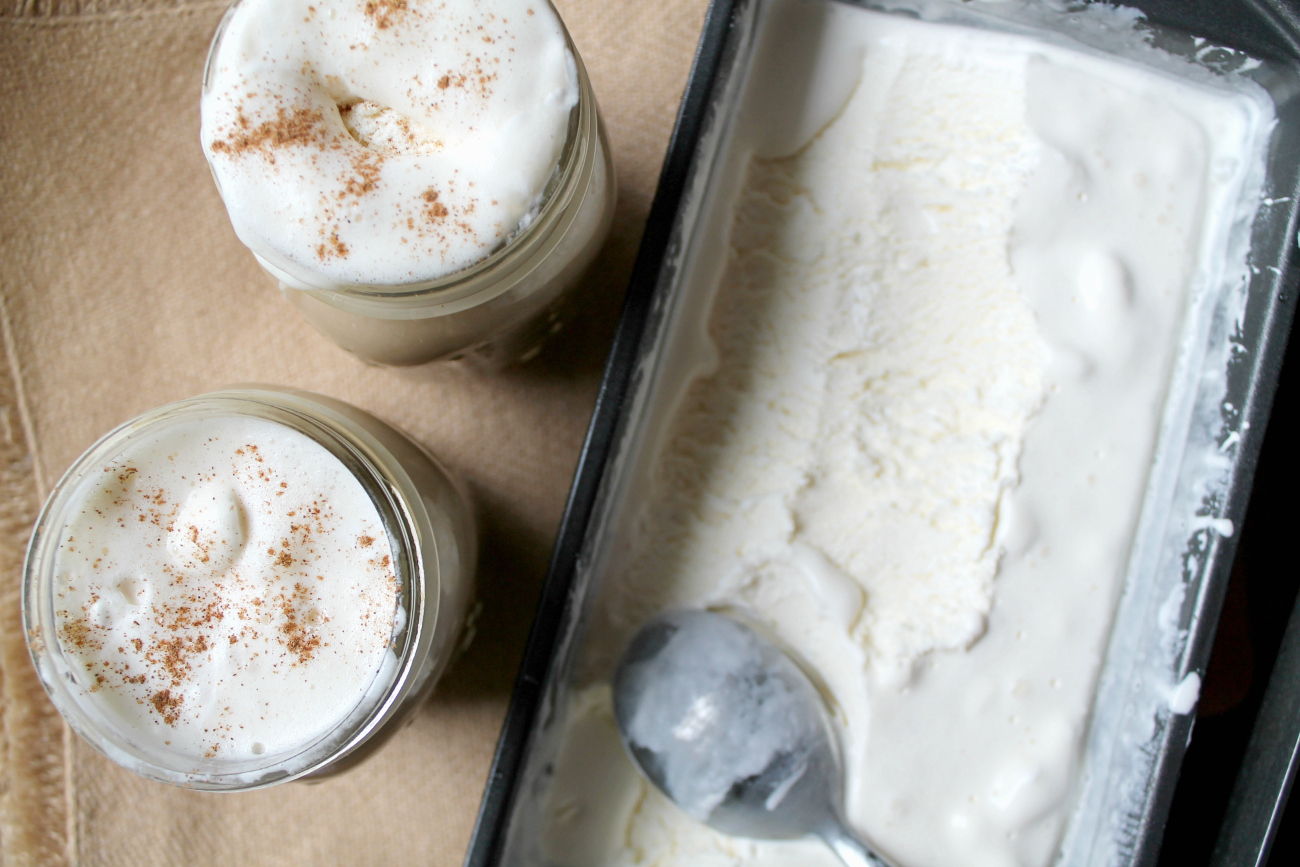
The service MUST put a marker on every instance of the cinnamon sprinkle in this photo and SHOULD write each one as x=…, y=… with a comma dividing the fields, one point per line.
x=436, y=210
x=382, y=12
x=365, y=175
x=167, y=705
x=332, y=247
x=301, y=127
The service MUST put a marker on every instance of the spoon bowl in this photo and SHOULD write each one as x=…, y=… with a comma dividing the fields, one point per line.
x=732, y=731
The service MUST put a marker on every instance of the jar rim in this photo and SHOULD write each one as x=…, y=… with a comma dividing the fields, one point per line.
x=365, y=460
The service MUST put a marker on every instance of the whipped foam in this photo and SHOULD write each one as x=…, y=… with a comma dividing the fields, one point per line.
x=384, y=142
x=226, y=589
x=938, y=356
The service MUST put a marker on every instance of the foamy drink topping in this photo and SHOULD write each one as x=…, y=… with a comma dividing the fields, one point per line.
x=226, y=589
x=385, y=142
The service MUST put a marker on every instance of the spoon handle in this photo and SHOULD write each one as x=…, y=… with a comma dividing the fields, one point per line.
x=852, y=851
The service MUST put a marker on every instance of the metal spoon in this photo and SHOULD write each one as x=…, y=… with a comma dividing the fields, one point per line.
x=731, y=730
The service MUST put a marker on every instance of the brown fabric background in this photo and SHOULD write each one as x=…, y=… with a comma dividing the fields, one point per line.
x=123, y=287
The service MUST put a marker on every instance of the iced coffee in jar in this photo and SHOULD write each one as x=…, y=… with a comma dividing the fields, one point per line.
x=248, y=587
x=425, y=179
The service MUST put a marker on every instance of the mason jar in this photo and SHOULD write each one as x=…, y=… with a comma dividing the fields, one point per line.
x=419, y=622
x=498, y=310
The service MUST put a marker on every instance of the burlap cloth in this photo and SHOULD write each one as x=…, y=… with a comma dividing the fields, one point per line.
x=123, y=287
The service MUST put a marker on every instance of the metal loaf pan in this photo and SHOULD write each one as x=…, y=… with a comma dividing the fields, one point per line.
x=1183, y=550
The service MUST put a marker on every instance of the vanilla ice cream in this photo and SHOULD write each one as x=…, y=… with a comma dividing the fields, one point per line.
x=228, y=589
x=385, y=142
x=937, y=357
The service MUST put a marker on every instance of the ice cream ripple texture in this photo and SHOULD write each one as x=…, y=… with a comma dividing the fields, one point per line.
x=226, y=588
x=385, y=142
x=943, y=339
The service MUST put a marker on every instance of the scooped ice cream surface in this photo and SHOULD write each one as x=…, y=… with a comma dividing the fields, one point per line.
x=944, y=335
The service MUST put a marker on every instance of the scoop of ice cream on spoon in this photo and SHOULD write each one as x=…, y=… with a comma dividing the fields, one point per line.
x=730, y=729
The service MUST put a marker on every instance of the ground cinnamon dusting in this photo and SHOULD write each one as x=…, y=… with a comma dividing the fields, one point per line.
x=364, y=176
x=298, y=640
x=167, y=706
x=332, y=246
x=435, y=210
x=297, y=128
x=382, y=12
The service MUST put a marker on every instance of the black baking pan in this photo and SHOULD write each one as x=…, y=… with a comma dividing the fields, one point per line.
x=1265, y=29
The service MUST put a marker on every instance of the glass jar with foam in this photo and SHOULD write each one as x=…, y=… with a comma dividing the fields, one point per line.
x=426, y=180
x=248, y=587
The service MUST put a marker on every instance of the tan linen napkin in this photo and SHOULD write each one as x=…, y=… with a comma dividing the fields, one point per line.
x=123, y=287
